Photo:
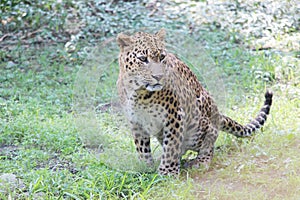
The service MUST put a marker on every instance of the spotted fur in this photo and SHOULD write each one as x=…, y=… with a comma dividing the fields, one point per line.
x=161, y=96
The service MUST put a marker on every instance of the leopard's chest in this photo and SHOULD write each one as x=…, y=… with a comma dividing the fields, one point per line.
x=150, y=116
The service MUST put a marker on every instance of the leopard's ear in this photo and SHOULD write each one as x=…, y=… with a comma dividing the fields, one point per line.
x=161, y=34
x=123, y=40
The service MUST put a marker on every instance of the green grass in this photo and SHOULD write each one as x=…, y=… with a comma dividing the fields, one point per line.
x=60, y=142
x=42, y=143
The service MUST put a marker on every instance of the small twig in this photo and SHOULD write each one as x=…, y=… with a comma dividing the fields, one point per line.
x=261, y=48
x=5, y=36
x=31, y=33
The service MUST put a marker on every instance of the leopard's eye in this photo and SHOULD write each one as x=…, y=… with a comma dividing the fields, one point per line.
x=162, y=56
x=143, y=58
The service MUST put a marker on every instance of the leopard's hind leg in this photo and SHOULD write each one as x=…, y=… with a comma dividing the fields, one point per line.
x=205, y=149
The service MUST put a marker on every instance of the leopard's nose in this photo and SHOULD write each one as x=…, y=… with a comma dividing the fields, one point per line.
x=157, y=77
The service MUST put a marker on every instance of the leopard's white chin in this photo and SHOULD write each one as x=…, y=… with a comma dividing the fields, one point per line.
x=152, y=88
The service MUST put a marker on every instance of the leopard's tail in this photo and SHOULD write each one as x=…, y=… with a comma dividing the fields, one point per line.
x=230, y=126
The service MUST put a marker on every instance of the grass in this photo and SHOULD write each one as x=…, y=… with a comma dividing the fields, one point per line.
x=43, y=145
x=61, y=142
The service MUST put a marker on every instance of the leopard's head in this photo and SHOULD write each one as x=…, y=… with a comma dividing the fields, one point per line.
x=141, y=60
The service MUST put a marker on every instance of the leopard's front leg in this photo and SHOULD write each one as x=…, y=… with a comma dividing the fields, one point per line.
x=142, y=143
x=172, y=142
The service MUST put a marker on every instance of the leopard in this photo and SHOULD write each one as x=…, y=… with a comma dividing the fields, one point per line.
x=162, y=98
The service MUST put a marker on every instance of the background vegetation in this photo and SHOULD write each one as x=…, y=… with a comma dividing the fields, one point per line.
x=46, y=153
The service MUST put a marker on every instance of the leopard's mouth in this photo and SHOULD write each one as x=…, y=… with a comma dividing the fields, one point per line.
x=155, y=87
